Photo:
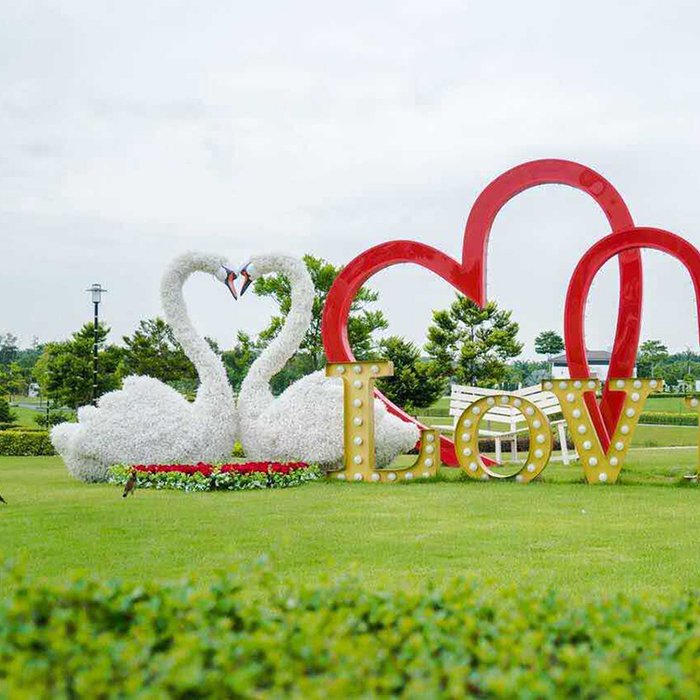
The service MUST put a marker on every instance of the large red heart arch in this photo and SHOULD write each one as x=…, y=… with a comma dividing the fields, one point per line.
x=469, y=277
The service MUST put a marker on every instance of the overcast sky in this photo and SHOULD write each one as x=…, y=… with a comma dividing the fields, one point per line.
x=133, y=131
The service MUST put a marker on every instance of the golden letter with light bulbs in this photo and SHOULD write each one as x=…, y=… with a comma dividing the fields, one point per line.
x=358, y=423
x=598, y=466
x=467, y=438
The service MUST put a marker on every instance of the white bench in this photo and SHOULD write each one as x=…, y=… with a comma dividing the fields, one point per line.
x=463, y=396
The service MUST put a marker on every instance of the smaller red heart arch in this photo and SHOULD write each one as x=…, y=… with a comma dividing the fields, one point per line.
x=625, y=241
x=469, y=276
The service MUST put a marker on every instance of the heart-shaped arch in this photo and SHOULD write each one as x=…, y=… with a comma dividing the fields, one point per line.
x=625, y=241
x=469, y=277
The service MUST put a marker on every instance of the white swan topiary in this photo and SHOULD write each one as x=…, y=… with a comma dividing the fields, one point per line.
x=148, y=422
x=304, y=423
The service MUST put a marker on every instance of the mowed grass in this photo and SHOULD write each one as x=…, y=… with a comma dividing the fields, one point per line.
x=25, y=416
x=639, y=535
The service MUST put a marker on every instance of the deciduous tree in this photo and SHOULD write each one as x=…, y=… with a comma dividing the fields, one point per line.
x=549, y=343
x=67, y=375
x=416, y=383
x=362, y=324
x=153, y=350
x=471, y=344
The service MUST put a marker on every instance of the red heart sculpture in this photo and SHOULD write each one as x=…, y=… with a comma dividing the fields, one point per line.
x=469, y=278
x=619, y=243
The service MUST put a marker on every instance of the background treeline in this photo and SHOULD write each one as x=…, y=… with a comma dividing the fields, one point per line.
x=465, y=344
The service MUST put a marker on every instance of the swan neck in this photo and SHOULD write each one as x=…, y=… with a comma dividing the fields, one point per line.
x=211, y=372
x=255, y=393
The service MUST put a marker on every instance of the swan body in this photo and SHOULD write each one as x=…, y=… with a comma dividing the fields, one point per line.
x=304, y=423
x=148, y=422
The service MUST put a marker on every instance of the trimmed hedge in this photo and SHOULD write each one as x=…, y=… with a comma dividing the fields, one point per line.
x=25, y=444
x=245, y=636
x=659, y=418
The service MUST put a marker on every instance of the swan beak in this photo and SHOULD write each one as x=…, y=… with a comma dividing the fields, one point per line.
x=230, y=282
x=248, y=280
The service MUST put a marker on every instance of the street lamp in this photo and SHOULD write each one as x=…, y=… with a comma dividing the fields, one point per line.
x=96, y=291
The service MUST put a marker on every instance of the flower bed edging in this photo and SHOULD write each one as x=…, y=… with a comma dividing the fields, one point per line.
x=216, y=477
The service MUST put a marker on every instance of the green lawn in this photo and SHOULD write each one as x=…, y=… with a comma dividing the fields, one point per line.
x=25, y=416
x=639, y=536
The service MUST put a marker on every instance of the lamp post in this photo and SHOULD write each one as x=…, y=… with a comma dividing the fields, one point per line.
x=96, y=291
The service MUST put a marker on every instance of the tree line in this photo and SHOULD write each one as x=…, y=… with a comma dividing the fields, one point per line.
x=466, y=344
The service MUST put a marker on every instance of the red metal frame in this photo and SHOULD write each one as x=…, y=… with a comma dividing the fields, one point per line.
x=621, y=242
x=469, y=277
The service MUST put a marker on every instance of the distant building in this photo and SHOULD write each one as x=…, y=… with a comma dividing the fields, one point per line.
x=598, y=363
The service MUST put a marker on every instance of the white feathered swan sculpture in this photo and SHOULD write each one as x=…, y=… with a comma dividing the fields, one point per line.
x=148, y=422
x=304, y=423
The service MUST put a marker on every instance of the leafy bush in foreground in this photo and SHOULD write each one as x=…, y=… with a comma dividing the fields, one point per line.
x=247, y=637
x=25, y=444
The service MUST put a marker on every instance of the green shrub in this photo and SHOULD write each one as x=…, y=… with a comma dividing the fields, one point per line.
x=25, y=444
x=238, y=451
x=7, y=416
x=54, y=418
x=659, y=418
x=244, y=636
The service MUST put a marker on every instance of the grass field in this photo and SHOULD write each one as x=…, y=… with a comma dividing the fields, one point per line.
x=639, y=536
x=25, y=416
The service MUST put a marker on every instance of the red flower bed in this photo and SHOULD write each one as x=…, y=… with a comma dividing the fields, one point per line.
x=208, y=469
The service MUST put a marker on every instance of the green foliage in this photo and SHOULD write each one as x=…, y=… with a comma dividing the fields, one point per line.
x=54, y=418
x=651, y=352
x=27, y=357
x=9, y=348
x=471, y=344
x=257, y=636
x=237, y=451
x=362, y=324
x=660, y=418
x=153, y=351
x=526, y=372
x=415, y=384
x=239, y=360
x=14, y=379
x=25, y=444
x=7, y=415
x=549, y=343
x=65, y=369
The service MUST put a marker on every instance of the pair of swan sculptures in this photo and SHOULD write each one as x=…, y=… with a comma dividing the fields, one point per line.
x=148, y=422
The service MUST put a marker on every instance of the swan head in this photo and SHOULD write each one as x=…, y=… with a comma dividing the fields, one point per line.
x=260, y=265
x=228, y=277
x=219, y=268
x=248, y=272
